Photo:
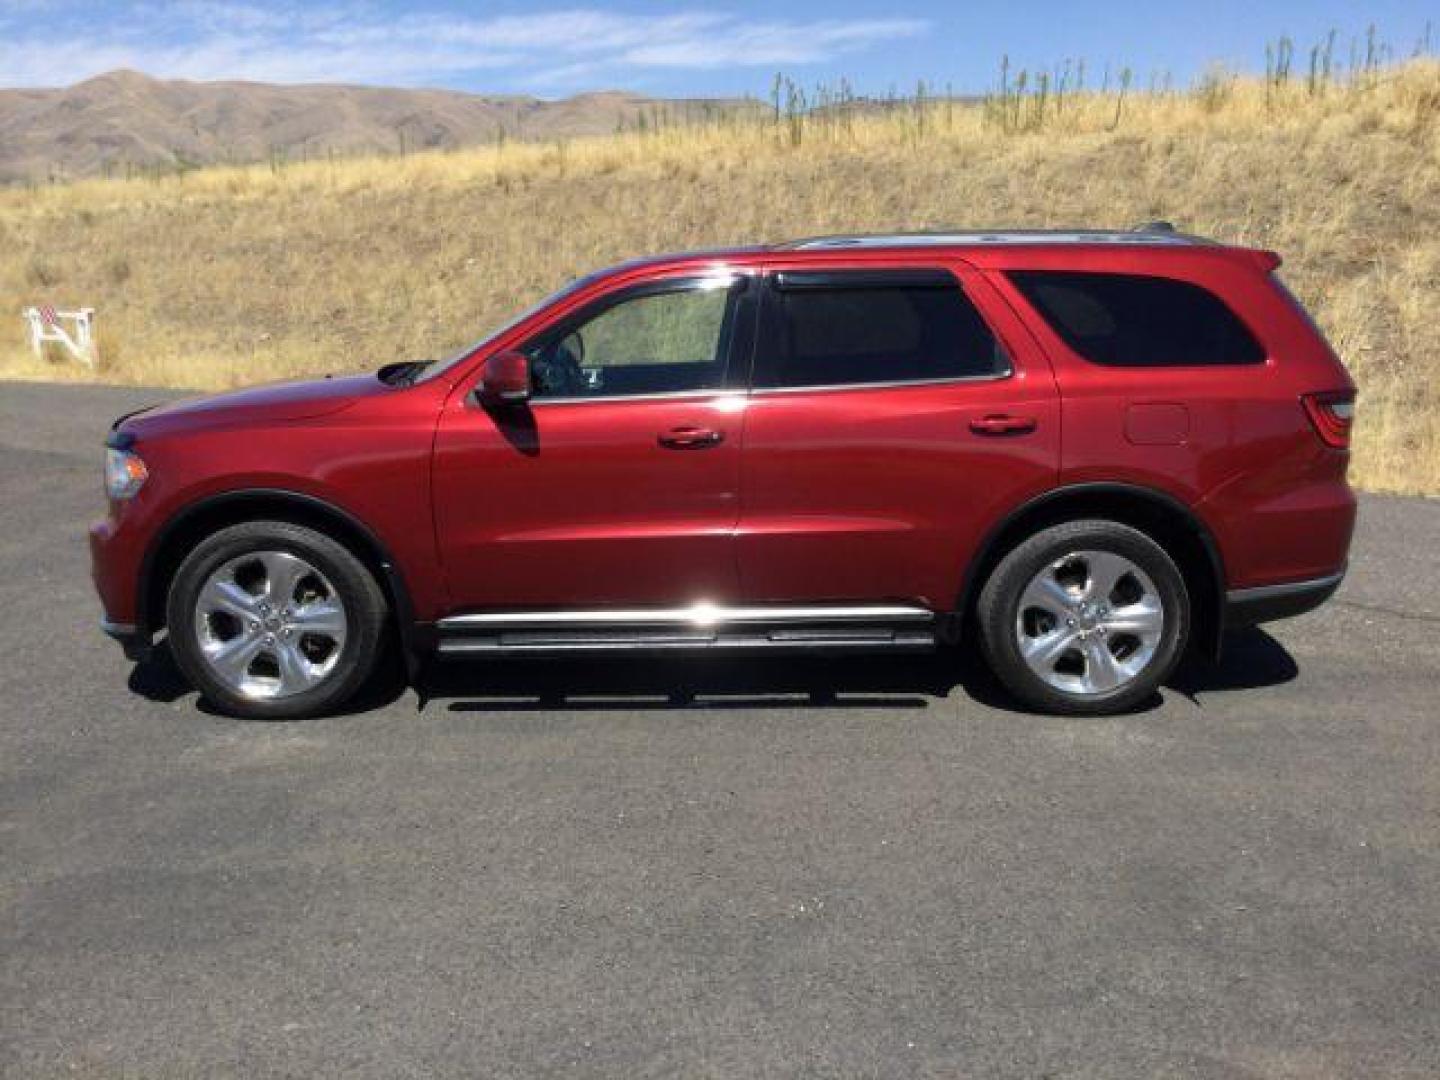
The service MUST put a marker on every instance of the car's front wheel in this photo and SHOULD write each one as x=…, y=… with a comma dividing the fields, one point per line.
x=273, y=620
x=1085, y=617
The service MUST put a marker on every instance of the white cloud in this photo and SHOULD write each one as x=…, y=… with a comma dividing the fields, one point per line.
x=770, y=43
x=358, y=42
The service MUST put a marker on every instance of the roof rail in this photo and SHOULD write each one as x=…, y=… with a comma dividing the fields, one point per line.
x=1154, y=232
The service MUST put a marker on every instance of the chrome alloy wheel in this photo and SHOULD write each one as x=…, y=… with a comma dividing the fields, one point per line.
x=270, y=625
x=1089, y=622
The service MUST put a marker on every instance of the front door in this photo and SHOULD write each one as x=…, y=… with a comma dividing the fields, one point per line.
x=891, y=423
x=618, y=483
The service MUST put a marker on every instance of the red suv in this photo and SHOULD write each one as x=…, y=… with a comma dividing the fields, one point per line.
x=1081, y=450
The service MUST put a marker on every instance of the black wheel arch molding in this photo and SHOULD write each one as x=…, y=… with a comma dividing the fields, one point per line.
x=159, y=562
x=1147, y=508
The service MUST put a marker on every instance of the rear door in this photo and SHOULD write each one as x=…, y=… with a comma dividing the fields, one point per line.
x=895, y=415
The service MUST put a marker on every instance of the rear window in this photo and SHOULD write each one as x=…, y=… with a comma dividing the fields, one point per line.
x=1134, y=320
x=834, y=331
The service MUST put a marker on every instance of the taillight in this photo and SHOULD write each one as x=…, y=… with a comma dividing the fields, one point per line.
x=1332, y=413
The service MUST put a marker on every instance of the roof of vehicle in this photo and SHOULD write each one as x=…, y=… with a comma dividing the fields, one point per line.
x=1153, y=236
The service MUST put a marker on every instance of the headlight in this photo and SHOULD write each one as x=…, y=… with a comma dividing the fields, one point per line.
x=125, y=474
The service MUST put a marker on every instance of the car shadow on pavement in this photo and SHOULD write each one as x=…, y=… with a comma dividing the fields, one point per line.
x=157, y=678
x=1252, y=658
x=869, y=682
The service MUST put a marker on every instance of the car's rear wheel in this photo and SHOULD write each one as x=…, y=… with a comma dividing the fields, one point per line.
x=1087, y=617
x=273, y=620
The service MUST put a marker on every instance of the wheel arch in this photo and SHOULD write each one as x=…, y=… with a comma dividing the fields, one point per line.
x=1159, y=515
x=204, y=517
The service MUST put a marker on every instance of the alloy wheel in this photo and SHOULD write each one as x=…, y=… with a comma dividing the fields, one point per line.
x=1089, y=622
x=269, y=625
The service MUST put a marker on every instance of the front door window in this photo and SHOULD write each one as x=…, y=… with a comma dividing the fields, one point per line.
x=664, y=339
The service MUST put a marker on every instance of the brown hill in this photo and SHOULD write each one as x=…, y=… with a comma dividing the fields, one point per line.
x=126, y=120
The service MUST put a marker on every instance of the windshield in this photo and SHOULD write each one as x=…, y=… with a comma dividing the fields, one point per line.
x=439, y=367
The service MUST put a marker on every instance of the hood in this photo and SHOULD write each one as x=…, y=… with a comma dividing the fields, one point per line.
x=302, y=399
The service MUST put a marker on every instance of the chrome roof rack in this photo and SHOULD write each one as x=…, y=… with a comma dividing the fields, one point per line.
x=1151, y=233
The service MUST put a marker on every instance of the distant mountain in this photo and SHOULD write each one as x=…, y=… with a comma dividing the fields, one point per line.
x=126, y=120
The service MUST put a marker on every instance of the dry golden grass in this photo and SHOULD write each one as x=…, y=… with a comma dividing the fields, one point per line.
x=234, y=275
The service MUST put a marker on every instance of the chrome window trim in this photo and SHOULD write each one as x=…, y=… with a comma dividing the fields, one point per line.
x=741, y=395
x=888, y=385
x=737, y=394
x=670, y=395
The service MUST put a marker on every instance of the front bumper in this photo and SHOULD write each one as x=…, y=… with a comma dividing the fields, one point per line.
x=116, y=553
x=1265, y=603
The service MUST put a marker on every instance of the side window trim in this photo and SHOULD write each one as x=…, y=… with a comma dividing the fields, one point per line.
x=891, y=384
x=774, y=281
x=924, y=278
x=737, y=336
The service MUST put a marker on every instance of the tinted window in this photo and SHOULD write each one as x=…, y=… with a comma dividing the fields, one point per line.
x=653, y=340
x=1129, y=320
x=830, y=332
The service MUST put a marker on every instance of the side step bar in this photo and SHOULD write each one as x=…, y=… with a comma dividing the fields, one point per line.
x=701, y=627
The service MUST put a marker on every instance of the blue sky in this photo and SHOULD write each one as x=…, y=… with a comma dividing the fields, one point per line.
x=558, y=47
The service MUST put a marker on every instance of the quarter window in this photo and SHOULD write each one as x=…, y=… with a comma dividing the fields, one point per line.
x=1133, y=320
x=834, y=329
x=659, y=339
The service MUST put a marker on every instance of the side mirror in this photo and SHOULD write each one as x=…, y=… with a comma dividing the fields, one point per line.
x=506, y=380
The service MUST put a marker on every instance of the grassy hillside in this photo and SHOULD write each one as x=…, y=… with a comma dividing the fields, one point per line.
x=127, y=124
x=228, y=276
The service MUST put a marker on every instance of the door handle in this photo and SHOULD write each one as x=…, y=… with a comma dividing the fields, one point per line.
x=690, y=438
x=1002, y=424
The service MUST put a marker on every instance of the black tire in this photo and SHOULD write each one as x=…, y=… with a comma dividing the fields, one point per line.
x=356, y=589
x=998, y=613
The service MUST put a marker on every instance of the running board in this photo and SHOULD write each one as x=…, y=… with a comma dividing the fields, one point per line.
x=702, y=627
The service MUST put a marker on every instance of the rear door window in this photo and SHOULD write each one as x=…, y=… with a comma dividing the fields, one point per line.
x=1134, y=320
x=851, y=328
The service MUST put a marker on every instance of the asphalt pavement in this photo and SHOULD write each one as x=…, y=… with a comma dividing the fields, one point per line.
x=713, y=868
